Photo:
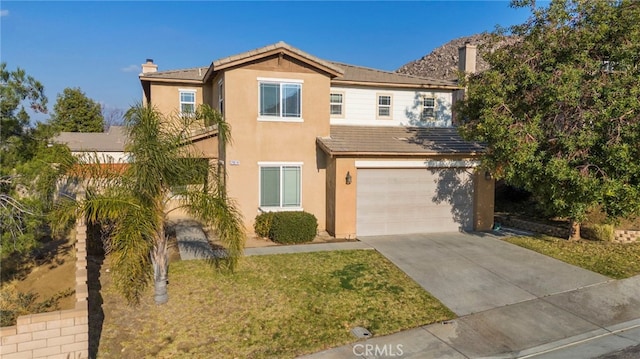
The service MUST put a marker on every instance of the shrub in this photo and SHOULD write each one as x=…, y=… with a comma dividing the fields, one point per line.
x=262, y=225
x=599, y=232
x=14, y=303
x=293, y=227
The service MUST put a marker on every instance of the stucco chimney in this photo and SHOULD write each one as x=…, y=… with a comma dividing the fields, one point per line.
x=467, y=58
x=149, y=66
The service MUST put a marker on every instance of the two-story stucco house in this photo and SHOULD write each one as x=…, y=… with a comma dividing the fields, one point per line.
x=368, y=152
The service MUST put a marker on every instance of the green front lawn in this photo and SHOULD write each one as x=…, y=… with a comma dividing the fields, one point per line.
x=275, y=306
x=615, y=260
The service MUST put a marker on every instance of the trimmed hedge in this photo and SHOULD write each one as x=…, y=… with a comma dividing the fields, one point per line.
x=287, y=227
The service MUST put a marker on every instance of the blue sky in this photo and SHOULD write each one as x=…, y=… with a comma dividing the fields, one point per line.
x=99, y=46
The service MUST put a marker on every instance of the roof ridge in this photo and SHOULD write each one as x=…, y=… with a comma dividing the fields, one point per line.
x=388, y=72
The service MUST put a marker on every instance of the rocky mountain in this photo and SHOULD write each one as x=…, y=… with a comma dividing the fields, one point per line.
x=442, y=63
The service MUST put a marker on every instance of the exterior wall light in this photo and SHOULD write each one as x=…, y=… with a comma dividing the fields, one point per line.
x=487, y=176
x=348, y=178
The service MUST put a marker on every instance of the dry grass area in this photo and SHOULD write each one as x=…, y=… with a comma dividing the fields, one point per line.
x=615, y=260
x=277, y=306
x=40, y=283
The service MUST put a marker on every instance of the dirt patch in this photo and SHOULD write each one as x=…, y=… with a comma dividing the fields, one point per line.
x=49, y=279
x=43, y=282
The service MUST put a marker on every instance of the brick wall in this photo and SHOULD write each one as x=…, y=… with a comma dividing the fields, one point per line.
x=620, y=236
x=626, y=236
x=61, y=334
x=549, y=230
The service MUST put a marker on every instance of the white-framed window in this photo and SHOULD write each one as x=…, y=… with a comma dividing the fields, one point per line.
x=336, y=103
x=384, y=106
x=187, y=102
x=280, y=186
x=280, y=100
x=221, y=96
x=428, y=108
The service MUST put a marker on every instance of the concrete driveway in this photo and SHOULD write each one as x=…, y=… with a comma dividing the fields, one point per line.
x=471, y=273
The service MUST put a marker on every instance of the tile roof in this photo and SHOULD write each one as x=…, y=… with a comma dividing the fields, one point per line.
x=192, y=74
x=112, y=141
x=349, y=72
x=365, y=74
x=396, y=140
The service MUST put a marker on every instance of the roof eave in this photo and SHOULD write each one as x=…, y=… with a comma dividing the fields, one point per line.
x=170, y=80
x=333, y=153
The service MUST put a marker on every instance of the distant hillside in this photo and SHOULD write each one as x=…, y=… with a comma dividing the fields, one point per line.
x=442, y=63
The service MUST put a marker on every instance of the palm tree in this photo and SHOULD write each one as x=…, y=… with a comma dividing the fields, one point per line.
x=134, y=200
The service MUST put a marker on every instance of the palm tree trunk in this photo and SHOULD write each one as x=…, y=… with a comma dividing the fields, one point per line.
x=160, y=260
x=574, y=230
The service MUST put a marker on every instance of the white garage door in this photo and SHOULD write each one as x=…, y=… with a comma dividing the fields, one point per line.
x=401, y=201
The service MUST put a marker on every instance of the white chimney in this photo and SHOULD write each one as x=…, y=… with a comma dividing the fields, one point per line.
x=149, y=66
x=467, y=58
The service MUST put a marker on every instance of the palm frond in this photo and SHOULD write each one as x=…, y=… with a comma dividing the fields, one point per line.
x=224, y=217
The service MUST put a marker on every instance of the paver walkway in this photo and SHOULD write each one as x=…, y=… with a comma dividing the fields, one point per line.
x=193, y=242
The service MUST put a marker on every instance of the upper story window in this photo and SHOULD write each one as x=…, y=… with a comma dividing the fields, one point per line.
x=221, y=97
x=428, y=108
x=384, y=106
x=280, y=100
x=336, y=103
x=187, y=102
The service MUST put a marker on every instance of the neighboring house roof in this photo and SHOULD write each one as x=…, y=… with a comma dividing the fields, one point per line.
x=396, y=140
x=342, y=73
x=364, y=75
x=112, y=141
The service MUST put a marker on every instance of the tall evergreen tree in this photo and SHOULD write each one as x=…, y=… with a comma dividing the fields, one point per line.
x=75, y=112
x=560, y=109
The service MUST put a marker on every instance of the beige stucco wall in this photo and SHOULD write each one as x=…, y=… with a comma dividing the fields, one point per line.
x=483, y=209
x=207, y=147
x=166, y=96
x=341, y=200
x=264, y=141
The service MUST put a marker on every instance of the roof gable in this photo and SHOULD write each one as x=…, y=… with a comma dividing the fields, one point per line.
x=280, y=48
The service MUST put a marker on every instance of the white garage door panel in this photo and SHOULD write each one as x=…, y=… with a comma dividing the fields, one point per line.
x=398, y=201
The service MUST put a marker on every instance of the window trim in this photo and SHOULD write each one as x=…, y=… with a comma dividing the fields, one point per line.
x=342, y=104
x=180, y=102
x=423, y=117
x=279, y=82
x=281, y=165
x=378, y=116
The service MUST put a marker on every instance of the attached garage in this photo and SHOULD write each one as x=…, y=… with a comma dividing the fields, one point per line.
x=413, y=200
x=401, y=180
